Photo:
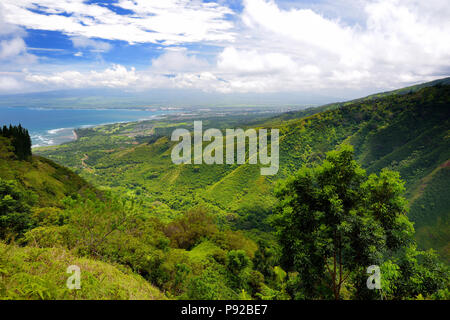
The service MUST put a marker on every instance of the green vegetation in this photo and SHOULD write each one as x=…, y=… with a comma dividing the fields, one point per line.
x=333, y=222
x=40, y=273
x=405, y=131
x=225, y=231
x=430, y=211
x=20, y=140
x=15, y=209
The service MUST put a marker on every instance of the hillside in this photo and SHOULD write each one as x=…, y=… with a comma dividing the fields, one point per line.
x=39, y=272
x=406, y=130
x=48, y=180
x=151, y=229
x=30, y=273
x=313, y=110
x=51, y=219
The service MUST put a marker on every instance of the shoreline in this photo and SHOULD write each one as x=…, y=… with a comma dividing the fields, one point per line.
x=56, y=139
x=75, y=136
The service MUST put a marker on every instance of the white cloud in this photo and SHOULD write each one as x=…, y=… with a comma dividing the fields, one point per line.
x=168, y=21
x=93, y=45
x=8, y=84
x=250, y=61
x=279, y=48
x=116, y=76
x=399, y=40
x=178, y=61
x=12, y=48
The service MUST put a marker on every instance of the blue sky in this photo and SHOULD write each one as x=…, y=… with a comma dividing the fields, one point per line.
x=223, y=46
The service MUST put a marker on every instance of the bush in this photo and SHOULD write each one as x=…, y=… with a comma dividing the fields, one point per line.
x=15, y=204
x=190, y=229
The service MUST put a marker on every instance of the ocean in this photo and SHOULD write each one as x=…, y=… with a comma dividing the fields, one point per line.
x=49, y=127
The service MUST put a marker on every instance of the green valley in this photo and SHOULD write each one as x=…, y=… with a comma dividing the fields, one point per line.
x=407, y=131
x=126, y=214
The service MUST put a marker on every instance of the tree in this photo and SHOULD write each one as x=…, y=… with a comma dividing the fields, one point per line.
x=238, y=266
x=20, y=140
x=188, y=230
x=332, y=222
x=266, y=258
x=93, y=221
x=6, y=148
x=15, y=204
x=209, y=285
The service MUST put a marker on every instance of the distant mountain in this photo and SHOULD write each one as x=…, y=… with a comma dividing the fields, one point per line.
x=312, y=110
x=118, y=98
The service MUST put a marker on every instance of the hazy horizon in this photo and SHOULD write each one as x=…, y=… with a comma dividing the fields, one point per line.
x=182, y=98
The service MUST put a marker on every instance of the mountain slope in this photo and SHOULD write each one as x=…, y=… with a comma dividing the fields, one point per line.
x=406, y=130
x=30, y=273
x=34, y=272
x=48, y=180
x=313, y=110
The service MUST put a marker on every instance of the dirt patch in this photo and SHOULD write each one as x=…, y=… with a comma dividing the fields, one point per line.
x=445, y=164
x=83, y=163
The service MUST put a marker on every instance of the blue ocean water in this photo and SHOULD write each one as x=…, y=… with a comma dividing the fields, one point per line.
x=54, y=126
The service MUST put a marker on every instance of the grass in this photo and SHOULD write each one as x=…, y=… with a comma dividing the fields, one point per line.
x=31, y=273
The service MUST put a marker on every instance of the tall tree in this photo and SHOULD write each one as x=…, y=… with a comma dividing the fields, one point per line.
x=15, y=205
x=20, y=140
x=332, y=220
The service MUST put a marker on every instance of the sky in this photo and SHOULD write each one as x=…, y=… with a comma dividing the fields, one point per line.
x=223, y=46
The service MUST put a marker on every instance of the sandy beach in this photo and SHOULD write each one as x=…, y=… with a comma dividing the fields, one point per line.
x=75, y=136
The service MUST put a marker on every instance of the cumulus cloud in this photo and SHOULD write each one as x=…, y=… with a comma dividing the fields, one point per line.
x=8, y=84
x=400, y=41
x=13, y=50
x=116, y=76
x=178, y=60
x=250, y=61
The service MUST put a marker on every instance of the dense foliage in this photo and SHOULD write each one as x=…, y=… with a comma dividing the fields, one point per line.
x=15, y=207
x=406, y=131
x=152, y=229
x=20, y=138
x=333, y=222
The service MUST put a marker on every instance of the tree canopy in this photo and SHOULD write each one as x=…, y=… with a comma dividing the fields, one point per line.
x=20, y=139
x=333, y=222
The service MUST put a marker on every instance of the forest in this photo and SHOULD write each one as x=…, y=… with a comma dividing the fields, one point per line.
x=361, y=183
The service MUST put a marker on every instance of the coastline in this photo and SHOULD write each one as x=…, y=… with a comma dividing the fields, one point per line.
x=63, y=125
x=75, y=136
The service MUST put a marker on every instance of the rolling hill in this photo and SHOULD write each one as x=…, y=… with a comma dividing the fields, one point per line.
x=34, y=272
x=406, y=130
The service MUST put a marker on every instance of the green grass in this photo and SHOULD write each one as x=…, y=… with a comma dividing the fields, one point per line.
x=31, y=273
x=202, y=251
